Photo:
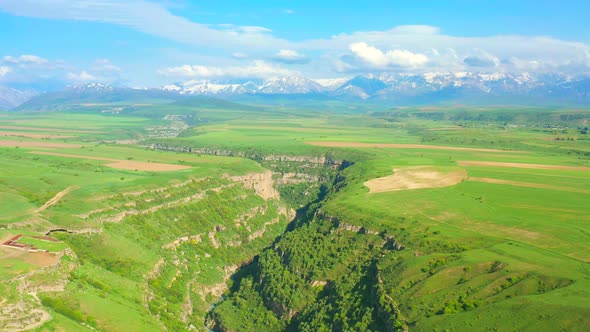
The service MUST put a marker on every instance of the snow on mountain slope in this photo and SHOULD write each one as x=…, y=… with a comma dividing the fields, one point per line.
x=403, y=87
x=10, y=98
x=290, y=85
x=331, y=83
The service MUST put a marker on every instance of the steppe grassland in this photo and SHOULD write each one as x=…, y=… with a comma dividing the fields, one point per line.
x=518, y=242
x=536, y=232
x=539, y=235
x=71, y=186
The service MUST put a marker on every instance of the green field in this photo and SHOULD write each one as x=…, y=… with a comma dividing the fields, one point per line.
x=212, y=245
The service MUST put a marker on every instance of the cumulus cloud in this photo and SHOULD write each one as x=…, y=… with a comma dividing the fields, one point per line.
x=239, y=56
x=82, y=76
x=411, y=48
x=374, y=57
x=475, y=61
x=105, y=66
x=483, y=60
x=4, y=70
x=449, y=53
x=290, y=56
x=42, y=73
x=25, y=59
x=257, y=69
x=28, y=68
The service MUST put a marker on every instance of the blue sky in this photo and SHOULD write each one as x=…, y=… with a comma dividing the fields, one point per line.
x=150, y=43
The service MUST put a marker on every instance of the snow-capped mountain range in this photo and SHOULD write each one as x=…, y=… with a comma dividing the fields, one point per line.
x=391, y=86
x=279, y=85
x=386, y=88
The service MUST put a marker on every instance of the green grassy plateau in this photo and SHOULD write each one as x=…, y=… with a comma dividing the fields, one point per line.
x=196, y=217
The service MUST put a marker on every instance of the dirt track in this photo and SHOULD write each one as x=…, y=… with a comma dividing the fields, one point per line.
x=520, y=165
x=122, y=164
x=528, y=185
x=56, y=198
x=32, y=144
x=145, y=166
x=51, y=130
x=419, y=177
x=32, y=135
x=404, y=146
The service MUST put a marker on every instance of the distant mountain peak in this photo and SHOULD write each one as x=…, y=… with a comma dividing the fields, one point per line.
x=393, y=88
x=429, y=86
x=92, y=86
x=10, y=97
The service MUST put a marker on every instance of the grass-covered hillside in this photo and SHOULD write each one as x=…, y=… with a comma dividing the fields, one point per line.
x=197, y=216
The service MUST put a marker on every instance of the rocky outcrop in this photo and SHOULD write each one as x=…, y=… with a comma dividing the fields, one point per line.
x=325, y=160
x=262, y=183
x=390, y=241
x=294, y=178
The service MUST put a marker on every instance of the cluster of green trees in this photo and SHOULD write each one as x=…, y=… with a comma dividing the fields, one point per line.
x=68, y=307
x=315, y=278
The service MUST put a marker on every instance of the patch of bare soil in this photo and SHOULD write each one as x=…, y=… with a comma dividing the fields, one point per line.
x=528, y=185
x=33, y=144
x=52, y=130
x=446, y=128
x=520, y=165
x=145, y=166
x=405, y=146
x=41, y=259
x=32, y=135
x=495, y=156
x=418, y=177
x=122, y=164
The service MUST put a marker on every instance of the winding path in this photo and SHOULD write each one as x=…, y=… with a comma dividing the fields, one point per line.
x=56, y=198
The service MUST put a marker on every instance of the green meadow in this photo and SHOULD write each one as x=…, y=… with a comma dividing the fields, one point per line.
x=506, y=247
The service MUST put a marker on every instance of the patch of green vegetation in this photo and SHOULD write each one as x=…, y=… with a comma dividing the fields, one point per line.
x=43, y=244
x=193, y=248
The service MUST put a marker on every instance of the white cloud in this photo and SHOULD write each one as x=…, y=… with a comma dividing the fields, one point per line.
x=141, y=15
x=35, y=70
x=377, y=58
x=447, y=53
x=25, y=59
x=290, y=56
x=83, y=76
x=412, y=48
x=257, y=69
x=482, y=59
x=239, y=56
x=252, y=29
x=105, y=66
x=4, y=70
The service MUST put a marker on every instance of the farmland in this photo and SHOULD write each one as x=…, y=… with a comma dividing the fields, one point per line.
x=183, y=217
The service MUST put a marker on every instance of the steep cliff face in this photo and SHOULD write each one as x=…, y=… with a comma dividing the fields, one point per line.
x=298, y=179
x=326, y=159
x=322, y=274
x=165, y=254
x=262, y=183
